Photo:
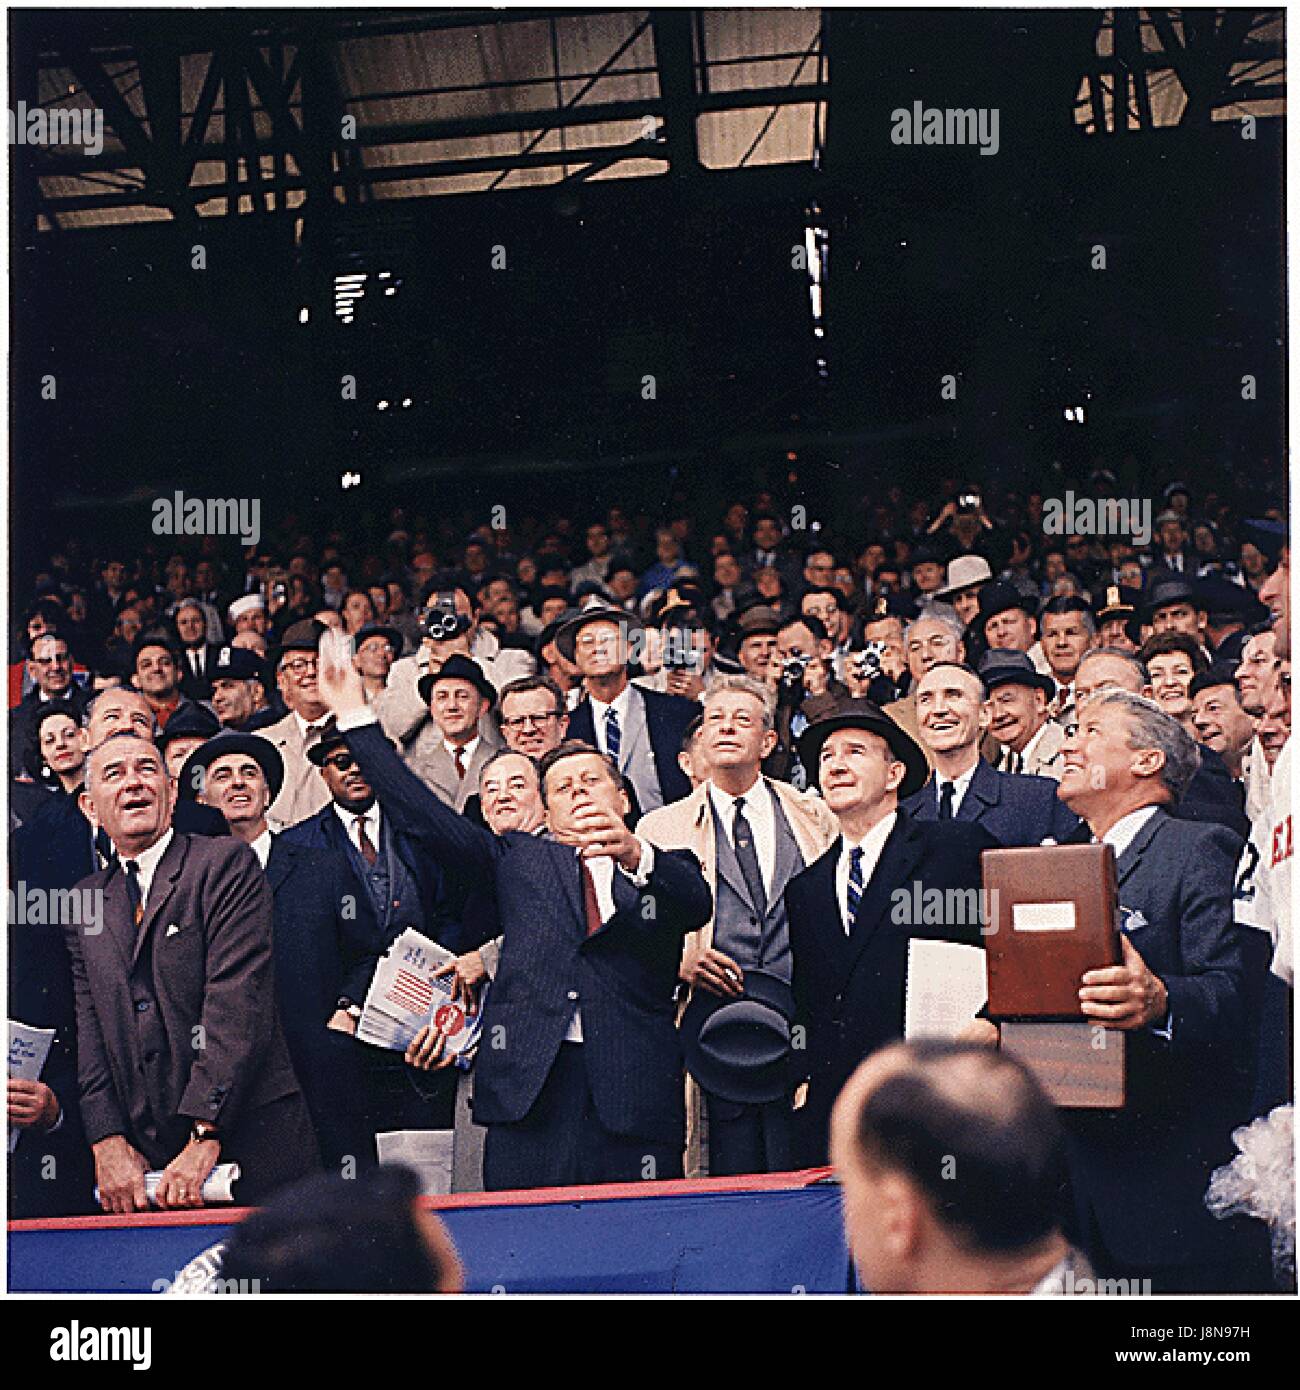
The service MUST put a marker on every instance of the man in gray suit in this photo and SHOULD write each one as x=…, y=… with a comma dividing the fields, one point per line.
x=294, y=661
x=458, y=696
x=181, y=1060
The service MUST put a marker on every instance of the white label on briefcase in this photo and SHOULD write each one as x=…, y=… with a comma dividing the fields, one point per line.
x=1042, y=917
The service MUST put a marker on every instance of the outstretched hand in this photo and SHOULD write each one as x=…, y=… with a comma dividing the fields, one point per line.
x=337, y=679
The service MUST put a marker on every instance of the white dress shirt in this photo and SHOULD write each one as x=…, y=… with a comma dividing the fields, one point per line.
x=147, y=862
x=304, y=726
x=350, y=818
x=871, y=844
x=959, y=787
x=262, y=847
x=602, y=877
x=1122, y=834
x=619, y=705
x=761, y=815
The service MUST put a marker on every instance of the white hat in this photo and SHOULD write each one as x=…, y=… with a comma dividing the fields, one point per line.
x=250, y=603
x=964, y=571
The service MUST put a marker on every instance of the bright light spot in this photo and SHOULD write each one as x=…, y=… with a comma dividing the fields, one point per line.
x=304, y=314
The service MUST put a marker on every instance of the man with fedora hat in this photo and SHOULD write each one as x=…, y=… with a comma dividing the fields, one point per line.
x=322, y=933
x=293, y=661
x=238, y=695
x=751, y=835
x=967, y=576
x=848, y=940
x=458, y=696
x=1024, y=738
x=1116, y=616
x=756, y=629
x=640, y=729
x=1006, y=619
x=1175, y=604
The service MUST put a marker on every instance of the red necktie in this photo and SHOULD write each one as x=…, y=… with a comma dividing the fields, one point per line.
x=590, y=901
x=368, y=852
x=460, y=763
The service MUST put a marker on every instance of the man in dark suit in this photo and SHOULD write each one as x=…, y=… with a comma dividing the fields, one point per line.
x=579, y=1076
x=640, y=729
x=850, y=911
x=181, y=1061
x=59, y=847
x=400, y=884
x=197, y=654
x=324, y=934
x=1183, y=994
x=50, y=664
x=953, y=716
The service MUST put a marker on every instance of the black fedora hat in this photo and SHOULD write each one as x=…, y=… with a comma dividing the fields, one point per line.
x=998, y=667
x=458, y=668
x=739, y=1049
x=389, y=634
x=999, y=597
x=566, y=637
x=261, y=750
x=191, y=720
x=330, y=739
x=1164, y=592
x=865, y=714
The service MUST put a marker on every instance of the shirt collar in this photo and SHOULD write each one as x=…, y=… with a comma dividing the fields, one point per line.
x=349, y=819
x=467, y=748
x=959, y=784
x=262, y=847
x=873, y=841
x=724, y=803
x=1125, y=830
x=618, y=704
x=148, y=859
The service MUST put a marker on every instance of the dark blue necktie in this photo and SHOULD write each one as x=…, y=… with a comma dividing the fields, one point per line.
x=855, y=883
x=945, y=800
x=613, y=735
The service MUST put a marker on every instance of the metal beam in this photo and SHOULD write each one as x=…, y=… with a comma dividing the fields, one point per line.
x=673, y=55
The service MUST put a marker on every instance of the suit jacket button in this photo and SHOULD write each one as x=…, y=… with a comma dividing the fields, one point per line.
x=142, y=1006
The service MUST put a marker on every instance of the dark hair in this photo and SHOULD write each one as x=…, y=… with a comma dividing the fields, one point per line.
x=841, y=599
x=812, y=622
x=1163, y=643
x=1216, y=674
x=32, y=759
x=526, y=683
x=990, y=1157
x=570, y=748
x=330, y=1234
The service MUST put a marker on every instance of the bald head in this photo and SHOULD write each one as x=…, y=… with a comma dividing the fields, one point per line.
x=119, y=710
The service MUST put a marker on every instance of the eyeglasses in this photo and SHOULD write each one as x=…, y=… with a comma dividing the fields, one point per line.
x=299, y=665
x=340, y=762
x=520, y=721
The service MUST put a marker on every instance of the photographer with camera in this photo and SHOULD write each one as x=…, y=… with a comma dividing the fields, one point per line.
x=806, y=687
x=450, y=627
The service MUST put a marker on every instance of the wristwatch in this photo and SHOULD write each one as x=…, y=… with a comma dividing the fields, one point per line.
x=200, y=1130
x=352, y=1010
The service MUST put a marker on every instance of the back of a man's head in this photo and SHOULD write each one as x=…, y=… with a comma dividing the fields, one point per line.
x=330, y=1234
x=967, y=1129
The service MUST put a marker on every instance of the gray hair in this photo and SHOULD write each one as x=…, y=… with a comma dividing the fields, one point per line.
x=1119, y=654
x=939, y=613
x=743, y=685
x=89, y=710
x=1151, y=727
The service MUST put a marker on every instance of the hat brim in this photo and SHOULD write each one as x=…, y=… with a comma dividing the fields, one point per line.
x=484, y=686
x=261, y=750
x=739, y=1049
x=1034, y=679
x=901, y=744
x=566, y=636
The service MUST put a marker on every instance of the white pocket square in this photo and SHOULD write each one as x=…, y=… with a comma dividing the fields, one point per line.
x=173, y=930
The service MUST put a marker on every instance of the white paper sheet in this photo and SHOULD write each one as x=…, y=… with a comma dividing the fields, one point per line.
x=947, y=985
x=29, y=1049
x=428, y=1151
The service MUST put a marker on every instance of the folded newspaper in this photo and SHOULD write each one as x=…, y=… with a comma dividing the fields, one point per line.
x=29, y=1049
x=404, y=997
x=217, y=1187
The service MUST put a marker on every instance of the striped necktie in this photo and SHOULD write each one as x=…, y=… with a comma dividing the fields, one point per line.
x=613, y=734
x=133, y=895
x=855, y=885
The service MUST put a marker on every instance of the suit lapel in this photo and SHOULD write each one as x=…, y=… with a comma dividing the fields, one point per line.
x=897, y=861
x=279, y=863
x=826, y=921
x=1132, y=856
x=117, y=914
x=165, y=878
x=786, y=863
x=984, y=790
